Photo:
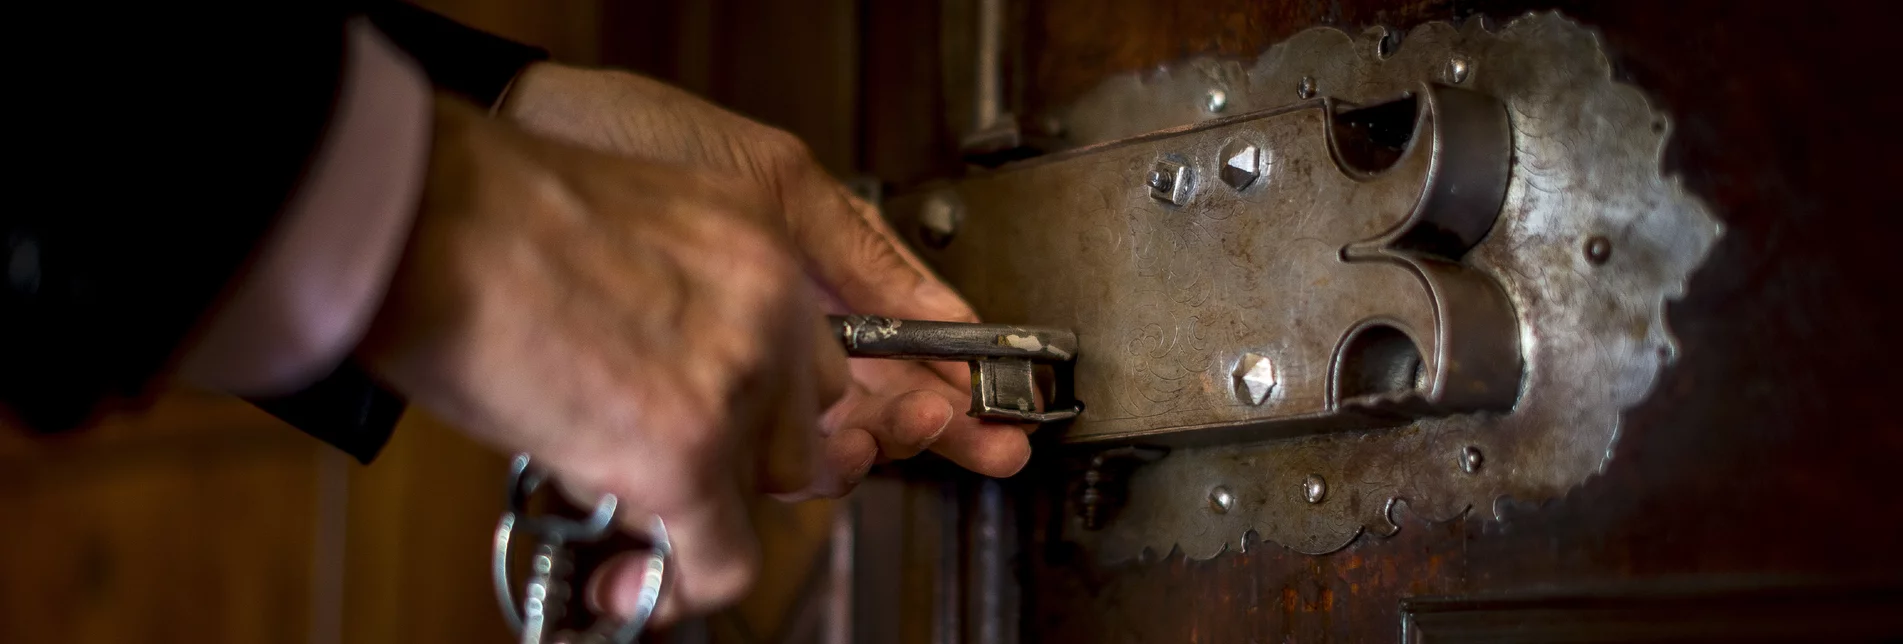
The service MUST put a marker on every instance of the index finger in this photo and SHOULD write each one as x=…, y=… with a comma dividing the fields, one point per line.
x=862, y=260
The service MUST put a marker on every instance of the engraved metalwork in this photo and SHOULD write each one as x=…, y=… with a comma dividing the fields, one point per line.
x=1450, y=324
x=1377, y=255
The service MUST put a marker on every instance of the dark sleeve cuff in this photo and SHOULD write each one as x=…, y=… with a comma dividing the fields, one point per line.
x=347, y=409
x=163, y=153
x=474, y=64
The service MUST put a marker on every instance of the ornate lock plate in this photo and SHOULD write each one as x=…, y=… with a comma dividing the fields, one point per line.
x=1329, y=302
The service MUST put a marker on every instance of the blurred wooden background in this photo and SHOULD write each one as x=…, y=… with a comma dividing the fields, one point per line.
x=205, y=521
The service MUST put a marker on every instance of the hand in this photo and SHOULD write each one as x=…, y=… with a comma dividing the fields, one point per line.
x=642, y=330
x=857, y=260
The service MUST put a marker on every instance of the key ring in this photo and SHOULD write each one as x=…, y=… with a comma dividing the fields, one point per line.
x=546, y=591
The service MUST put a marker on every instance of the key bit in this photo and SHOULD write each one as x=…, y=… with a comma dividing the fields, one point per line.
x=1003, y=359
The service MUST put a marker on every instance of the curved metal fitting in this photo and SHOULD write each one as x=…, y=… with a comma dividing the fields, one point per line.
x=1480, y=264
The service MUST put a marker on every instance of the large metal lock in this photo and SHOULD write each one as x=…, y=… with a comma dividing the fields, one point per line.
x=1365, y=279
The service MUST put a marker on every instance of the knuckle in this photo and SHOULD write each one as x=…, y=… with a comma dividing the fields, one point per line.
x=781, y=153
x=878, y=265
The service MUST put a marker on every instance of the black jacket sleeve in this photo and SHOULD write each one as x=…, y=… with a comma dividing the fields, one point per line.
x=160, y=141
x=348, y=409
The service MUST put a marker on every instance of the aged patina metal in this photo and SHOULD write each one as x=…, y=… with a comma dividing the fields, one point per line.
x=1465, y=300
x=1003, y=360
x=1391, y=325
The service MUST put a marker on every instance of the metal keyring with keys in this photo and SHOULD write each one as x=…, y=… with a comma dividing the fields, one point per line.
x=546, y=591
x=1004, y=388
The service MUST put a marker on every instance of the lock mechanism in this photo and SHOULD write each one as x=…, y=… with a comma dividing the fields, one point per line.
x=1423, y=272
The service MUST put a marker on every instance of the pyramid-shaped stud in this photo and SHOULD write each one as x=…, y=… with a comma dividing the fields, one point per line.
x=1255, y=377
x=1241, y=164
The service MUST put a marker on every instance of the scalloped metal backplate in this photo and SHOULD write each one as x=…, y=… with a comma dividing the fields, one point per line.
x=1590, y=243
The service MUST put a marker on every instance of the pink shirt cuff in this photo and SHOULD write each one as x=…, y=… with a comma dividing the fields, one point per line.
x=321, y=273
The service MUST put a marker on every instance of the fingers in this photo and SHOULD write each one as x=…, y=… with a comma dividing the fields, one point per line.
x=848, y=455
x=788, y=452
x=615, y=588
x=795, y=467
x=908, y=407
x=986, y=448
x=716, y=558
x=861, y=260
x=903, y=424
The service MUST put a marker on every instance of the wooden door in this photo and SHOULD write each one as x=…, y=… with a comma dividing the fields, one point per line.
x=1747, y=498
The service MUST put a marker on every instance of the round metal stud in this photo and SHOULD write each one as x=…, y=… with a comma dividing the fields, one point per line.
x=1470, y=459
x=1306, y=89
x=1457, y=70
x=939, y=219
x=1598, y=250
x=1216, y=101
x=1314, y=488
x=1221, y=500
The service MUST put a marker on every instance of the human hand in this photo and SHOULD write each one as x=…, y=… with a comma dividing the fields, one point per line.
x=855, y=257
x=642, y=330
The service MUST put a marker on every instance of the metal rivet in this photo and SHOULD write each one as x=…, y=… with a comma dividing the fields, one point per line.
x=1255, y=377
x=1598, y=250
x=1221, y=500
x=1470, y=459
x=1457, y=70
x=939, y=219
x=1314, y=488
x=1169, y=182
x=1306, y=89
x=1216, y=101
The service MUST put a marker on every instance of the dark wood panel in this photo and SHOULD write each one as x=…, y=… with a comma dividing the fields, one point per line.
x=1658, y=615
x=210, y=544
x=417, y=537
x=1762, y=458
